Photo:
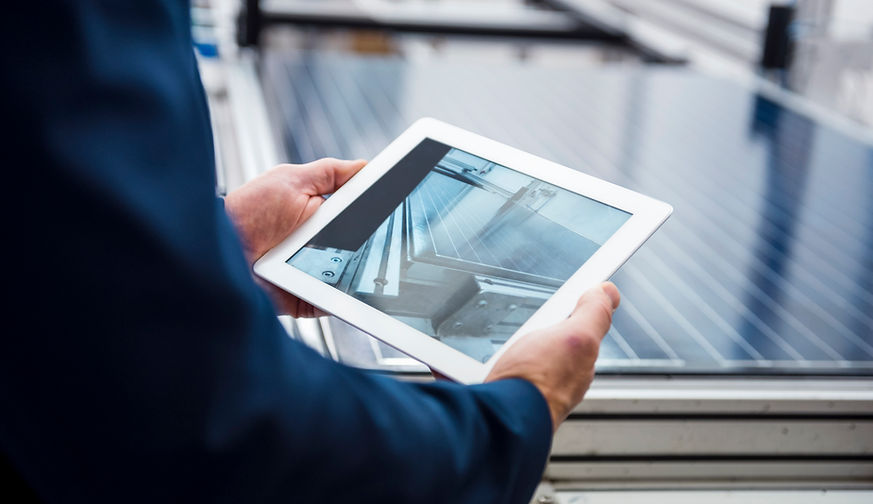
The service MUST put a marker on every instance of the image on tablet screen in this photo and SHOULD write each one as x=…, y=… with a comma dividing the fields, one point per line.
x=458, y=247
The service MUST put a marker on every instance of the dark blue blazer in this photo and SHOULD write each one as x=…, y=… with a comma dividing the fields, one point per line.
x=139, y=361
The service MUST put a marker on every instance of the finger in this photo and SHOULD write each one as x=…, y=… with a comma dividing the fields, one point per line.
x=327, y=175
x=612, y=291
x=595, y=308
x=439, y=376
x=288, y=304
x=302, y=309
x=607, y=288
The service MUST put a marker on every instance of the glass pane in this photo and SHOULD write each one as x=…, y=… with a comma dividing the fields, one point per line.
x=766, y=265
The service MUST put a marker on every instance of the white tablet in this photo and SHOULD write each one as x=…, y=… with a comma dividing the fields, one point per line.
x=449, y=246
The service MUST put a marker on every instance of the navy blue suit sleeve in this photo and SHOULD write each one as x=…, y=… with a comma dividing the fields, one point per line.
x=145, y=364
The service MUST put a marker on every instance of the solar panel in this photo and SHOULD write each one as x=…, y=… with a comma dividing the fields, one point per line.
x=767, y=263
x=481, y=235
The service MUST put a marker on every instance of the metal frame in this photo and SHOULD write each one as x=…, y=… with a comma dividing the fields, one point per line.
x=555, y=24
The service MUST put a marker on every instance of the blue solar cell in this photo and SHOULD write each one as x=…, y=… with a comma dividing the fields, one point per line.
x=767, y=263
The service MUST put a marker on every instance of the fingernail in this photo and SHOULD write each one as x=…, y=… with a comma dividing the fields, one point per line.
x=611, y=290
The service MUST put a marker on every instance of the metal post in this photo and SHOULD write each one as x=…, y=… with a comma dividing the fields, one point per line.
x=776, y=54
x=250, y=23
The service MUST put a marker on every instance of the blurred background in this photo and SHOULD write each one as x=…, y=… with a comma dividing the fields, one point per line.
x=740, y=365
x=818, y=48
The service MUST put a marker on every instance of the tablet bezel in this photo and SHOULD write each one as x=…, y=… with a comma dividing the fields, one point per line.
x=647, y=215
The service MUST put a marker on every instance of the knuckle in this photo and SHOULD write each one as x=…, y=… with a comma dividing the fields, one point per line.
x=583, y=342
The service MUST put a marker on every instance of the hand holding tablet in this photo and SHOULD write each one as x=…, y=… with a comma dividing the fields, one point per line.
x=559, y=360
x=266, y=208
x=449, y=246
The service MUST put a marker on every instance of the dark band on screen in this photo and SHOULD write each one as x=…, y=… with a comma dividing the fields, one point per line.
x=357, y=223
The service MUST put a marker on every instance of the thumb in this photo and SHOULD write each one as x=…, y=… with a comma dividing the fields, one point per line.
x=326, y=175
x=595, y=308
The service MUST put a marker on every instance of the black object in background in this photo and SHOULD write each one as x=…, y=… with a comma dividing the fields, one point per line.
x=776, y=53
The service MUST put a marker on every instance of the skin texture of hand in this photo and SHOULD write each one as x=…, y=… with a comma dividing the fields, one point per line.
x=268, y=208
x=559, y=360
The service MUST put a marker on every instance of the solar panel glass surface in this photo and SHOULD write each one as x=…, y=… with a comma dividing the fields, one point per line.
x=766, y=265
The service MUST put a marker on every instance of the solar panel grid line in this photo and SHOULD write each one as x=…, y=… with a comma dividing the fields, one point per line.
x=307, y=129
x=810, y=280
x=322, y=136
x=757, y=291
x=609, y=348
x=313, y=101
x=352, y=87
x=727, y=329
x=489, y=244
x=437, y=206
x=784, y=315
x=371, y=89
x=647, y=345
x=436, y=224
x=340, y=115
x=729, y=298
x=628, y=307
x=764, y=298
x=377, y=126
x=690, y=330
x=623, y=344
x=511, y=262
x=465, y=228
x=420, y=200
x=752, y=331
x=815, y=306
x=697, y=313
x=338, y=144
x=290, y=114
x=430, y=226
x=539, y=261
x=334, y=103
x=853, y=271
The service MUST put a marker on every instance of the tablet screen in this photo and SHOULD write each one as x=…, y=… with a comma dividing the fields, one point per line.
x=458, y=247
